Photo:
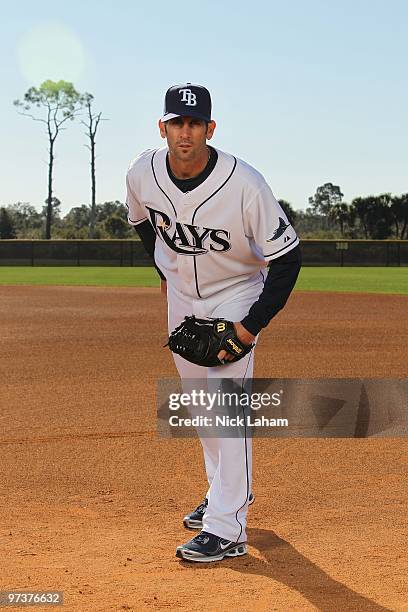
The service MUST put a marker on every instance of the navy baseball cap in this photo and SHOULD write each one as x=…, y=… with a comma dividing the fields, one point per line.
x=187, y=101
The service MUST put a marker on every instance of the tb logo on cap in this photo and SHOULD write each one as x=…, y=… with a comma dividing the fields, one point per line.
x=189, y=97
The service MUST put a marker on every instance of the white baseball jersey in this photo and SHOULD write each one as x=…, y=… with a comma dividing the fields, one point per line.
x=211, y=246
x=216, y=237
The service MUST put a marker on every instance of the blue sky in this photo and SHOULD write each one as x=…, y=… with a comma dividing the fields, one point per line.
x=306, y=91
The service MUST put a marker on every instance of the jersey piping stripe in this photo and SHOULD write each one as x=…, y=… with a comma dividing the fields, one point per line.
x=246, y=452
x=194, y=214
x=217, y=190
x=157, y=183
x=195, y=276
x=138, y=221
x=283, y=248
x=131, y=220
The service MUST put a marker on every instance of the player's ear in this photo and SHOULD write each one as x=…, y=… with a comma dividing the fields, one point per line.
x=210, y=129
x=162, y=128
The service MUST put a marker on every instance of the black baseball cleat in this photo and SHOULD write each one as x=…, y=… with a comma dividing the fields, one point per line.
x=207, y=547
x=195, y=519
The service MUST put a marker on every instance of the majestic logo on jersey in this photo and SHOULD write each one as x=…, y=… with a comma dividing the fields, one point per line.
x=281, y=229
x=189, y=98
x=188, y=239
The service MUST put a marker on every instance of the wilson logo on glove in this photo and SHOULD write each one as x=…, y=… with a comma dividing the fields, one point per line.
x=200, y=340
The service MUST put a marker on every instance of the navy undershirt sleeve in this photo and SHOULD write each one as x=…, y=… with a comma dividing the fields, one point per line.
x=281, y=279
x=147, y=235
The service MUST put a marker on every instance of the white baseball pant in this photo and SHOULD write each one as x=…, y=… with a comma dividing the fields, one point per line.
x=228, y=461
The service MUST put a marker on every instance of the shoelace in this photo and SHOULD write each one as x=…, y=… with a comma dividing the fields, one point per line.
x=201, y=538
x=202, y=507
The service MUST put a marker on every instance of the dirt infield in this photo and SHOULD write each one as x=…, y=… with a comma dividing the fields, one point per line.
x=91, y=500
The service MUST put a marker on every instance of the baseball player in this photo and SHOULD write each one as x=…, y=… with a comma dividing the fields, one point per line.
x=223, y=247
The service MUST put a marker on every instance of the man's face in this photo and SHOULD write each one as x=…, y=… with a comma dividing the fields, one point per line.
x=186, y=136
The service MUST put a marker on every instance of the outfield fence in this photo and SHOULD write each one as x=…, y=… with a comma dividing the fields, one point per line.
x=132, y=253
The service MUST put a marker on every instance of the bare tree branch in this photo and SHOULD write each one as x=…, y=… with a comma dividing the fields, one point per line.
x=32, y=117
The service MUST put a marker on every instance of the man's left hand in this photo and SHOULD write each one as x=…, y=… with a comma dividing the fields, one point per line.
x=243, y=334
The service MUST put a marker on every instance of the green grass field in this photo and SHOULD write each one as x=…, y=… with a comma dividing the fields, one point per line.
x=370, y=280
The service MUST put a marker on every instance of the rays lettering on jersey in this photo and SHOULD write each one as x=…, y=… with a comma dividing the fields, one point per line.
x=187, y=239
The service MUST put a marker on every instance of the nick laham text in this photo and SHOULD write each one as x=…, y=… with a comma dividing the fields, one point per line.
x=226, y=421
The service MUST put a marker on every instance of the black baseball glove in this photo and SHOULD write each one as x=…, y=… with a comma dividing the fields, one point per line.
x=200, y=341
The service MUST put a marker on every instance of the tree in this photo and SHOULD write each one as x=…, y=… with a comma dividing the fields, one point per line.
x=78, y=217
x=91, y=124
x=340, y=213
x=107, y=209
x=117, y=227
x=289, y=211
x=27, y=221
x=375, y=215
x=399, y=212
x=325, y=198
x=55, y=209
x=361, y=208
x=61, y=102
x=75, y=224
x=7, y=230
x=353, y=230
x=382, y=217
